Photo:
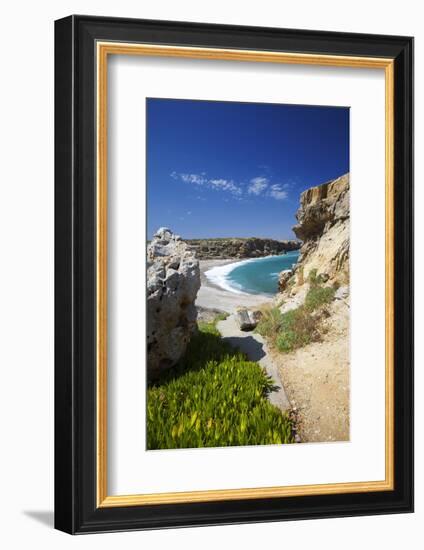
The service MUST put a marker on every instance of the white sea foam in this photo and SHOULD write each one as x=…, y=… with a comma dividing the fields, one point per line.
x=218, y=275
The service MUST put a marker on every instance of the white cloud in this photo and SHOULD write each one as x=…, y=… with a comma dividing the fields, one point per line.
x=226, y=185
x=257, y=185
x=198, y=179
x=217, y=184
x=276, y=192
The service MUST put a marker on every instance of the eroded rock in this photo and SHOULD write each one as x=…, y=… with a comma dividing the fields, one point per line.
x=323, y=226
x=173, y=280
x=247, y=319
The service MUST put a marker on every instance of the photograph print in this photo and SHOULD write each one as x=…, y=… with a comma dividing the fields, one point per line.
x=248, y=309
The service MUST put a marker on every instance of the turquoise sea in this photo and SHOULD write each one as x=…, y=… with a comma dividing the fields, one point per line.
x=253, y=276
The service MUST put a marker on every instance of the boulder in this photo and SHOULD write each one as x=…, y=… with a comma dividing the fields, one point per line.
x=256, y=315
x=246, y=319
x=173, y=280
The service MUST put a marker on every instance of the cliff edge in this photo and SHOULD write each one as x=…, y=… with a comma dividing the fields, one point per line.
x=323, y=226
x=316, y=376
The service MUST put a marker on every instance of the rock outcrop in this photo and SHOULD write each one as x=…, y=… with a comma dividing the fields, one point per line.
x=317, y=375
x=173, y=280
x=323, y=226
x=247, y=319
x=209, y=249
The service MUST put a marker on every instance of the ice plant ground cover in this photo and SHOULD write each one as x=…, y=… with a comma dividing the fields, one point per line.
x=213, y=398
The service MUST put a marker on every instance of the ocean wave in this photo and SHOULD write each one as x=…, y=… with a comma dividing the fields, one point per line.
x=218, y=275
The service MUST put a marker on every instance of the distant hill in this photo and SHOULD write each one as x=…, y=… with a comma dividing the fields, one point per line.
x=235, y=247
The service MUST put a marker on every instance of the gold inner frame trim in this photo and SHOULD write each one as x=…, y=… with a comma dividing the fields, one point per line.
x=104, y=49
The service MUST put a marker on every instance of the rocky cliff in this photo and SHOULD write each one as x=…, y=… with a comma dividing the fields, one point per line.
x=323, y=226
x=209, y=249
x=173, y=280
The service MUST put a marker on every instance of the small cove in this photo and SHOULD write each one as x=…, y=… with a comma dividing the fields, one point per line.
x=252, y=276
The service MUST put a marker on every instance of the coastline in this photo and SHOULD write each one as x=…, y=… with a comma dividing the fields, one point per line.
x=216, y=298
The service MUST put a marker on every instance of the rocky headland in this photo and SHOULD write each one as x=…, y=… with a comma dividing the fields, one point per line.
x=173, y=280
x=317, y=376
x=240, y=248
x=323, y=227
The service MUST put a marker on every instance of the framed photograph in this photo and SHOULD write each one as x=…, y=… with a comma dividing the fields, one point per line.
x=234, y=269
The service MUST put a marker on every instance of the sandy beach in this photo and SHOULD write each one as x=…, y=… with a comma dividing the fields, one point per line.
x=212, y=297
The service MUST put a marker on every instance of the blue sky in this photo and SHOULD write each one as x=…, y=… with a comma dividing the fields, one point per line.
x=225, y=169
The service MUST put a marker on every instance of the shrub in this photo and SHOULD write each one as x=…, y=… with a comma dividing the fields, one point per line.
x=210, y=327
x=298, y=329
x=270, y=323
x=314, y=279
x=213, y=398
x=221, y=317
x=318, y=296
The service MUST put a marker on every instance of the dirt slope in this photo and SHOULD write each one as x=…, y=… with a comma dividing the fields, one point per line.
x=316, y=380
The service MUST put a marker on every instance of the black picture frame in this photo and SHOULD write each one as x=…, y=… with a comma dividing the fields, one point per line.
x=76, y=510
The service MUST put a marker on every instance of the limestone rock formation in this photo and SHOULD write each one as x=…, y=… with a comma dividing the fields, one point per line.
x=173, y=280
x=321, y=207
x=247, y=319
x=209, y=249
x=323, y=226
x=317, y=375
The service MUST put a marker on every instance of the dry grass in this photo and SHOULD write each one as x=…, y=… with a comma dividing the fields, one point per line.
x=298, y=327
